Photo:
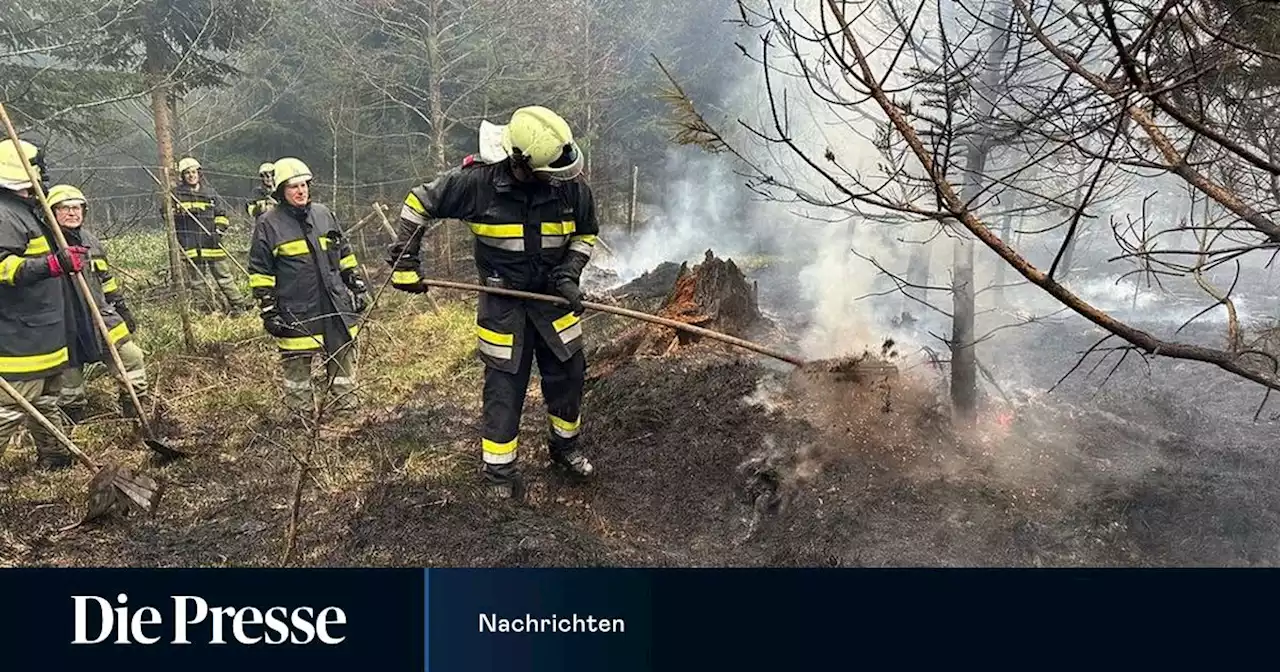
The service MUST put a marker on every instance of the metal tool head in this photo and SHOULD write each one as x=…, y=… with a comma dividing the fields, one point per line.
x=162, y=449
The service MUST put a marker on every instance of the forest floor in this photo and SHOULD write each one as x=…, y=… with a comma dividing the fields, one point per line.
x=705, y=457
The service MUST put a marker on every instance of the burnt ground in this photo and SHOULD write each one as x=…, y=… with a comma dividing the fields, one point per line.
x=706, y=458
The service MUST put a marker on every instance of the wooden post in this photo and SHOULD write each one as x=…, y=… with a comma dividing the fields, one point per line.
x=631, y=206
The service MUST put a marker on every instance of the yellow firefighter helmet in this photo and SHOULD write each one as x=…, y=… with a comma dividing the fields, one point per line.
x=188, y=163
x=266, y=168
x=13, y=174
x=543, y=140
x=65, y=194
x=290, y=171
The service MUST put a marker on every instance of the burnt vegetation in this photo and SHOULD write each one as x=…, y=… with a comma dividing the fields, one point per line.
x=1017, y=254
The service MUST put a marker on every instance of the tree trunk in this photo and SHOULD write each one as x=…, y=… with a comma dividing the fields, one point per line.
x=160, y=108
x=588, y=131
x=964, y=362
x=631, y=204
x=1006, y=234
x=435, y=103
x=1069, y=253
x=917, y=275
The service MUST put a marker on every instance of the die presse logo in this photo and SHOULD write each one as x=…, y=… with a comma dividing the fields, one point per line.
x=191, y=619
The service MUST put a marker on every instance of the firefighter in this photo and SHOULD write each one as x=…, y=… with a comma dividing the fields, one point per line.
x=534, y=224
x=305, y=277
x=262, y=193
x=70, y=208
x=201, y=222
x=36, y=330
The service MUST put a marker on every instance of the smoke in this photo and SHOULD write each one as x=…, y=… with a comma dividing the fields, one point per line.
x=822, y=277
x=701, y=209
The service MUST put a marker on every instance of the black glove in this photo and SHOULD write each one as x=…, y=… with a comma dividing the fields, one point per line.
x=127, y=315
x=272, y=321
x=276, y=326
x=569, y=289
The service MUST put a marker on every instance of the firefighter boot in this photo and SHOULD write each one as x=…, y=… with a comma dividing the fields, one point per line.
x=126, y=403
x=50, y=454
x=566, y=454
x=504, y=482
x=75, y=413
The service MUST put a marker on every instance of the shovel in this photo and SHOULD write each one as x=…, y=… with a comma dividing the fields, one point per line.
x=149, y=439
x=111, y=483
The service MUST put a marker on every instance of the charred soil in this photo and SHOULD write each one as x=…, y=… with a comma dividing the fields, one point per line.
x=706, y=456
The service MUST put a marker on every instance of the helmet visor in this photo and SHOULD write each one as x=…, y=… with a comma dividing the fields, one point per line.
x=566, y=167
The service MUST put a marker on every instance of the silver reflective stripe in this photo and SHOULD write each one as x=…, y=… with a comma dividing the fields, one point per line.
x=553, y=241
x=497, y=351
x=579, y=246
x=138, y=376
x=409, y=214
x=297, y=384
x=343, y=380
x=73, y=391
x=505, y=458
x=512, y=244
x=571, y=333
x=564, y=433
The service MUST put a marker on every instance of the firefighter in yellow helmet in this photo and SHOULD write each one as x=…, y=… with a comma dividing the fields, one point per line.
x=201, y=220
x=262, y=198
x=306, y=280
x=535, y=226
x=38, y=337
x=71, y=208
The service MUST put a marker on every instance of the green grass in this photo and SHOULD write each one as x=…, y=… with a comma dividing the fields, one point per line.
x=221, y=389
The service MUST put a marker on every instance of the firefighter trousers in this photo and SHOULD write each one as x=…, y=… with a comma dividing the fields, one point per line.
x=504, y=395
x=296, y=370
x=72, y=395
x=209, y=278
x=42, y=394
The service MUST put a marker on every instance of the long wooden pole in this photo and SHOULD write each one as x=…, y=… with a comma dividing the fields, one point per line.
x=674, y=324
x=80, y=282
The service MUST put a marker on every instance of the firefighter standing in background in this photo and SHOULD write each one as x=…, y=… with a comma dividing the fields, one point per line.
x=304, y=276
x=201, y=221
x=262, y=193
x=70, y=208
x=535, y=228
x=37, y=330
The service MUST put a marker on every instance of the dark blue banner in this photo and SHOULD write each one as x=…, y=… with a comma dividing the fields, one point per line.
x=474, y=620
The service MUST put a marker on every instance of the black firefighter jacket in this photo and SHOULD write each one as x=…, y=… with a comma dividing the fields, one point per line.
x=41, y=330
x=524, y=235
x=261, y=200
x=299, y=256
x=200, y=216
x=103, y=286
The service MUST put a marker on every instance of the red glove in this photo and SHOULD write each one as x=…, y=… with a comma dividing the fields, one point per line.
x=70, y=260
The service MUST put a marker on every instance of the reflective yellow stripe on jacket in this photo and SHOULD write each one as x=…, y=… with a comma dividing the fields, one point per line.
x=117, y=332
x=300, y=343
x=34, y=363
x=297, y=248
x=508, y=237
x=36, y=247
x=206, y=253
